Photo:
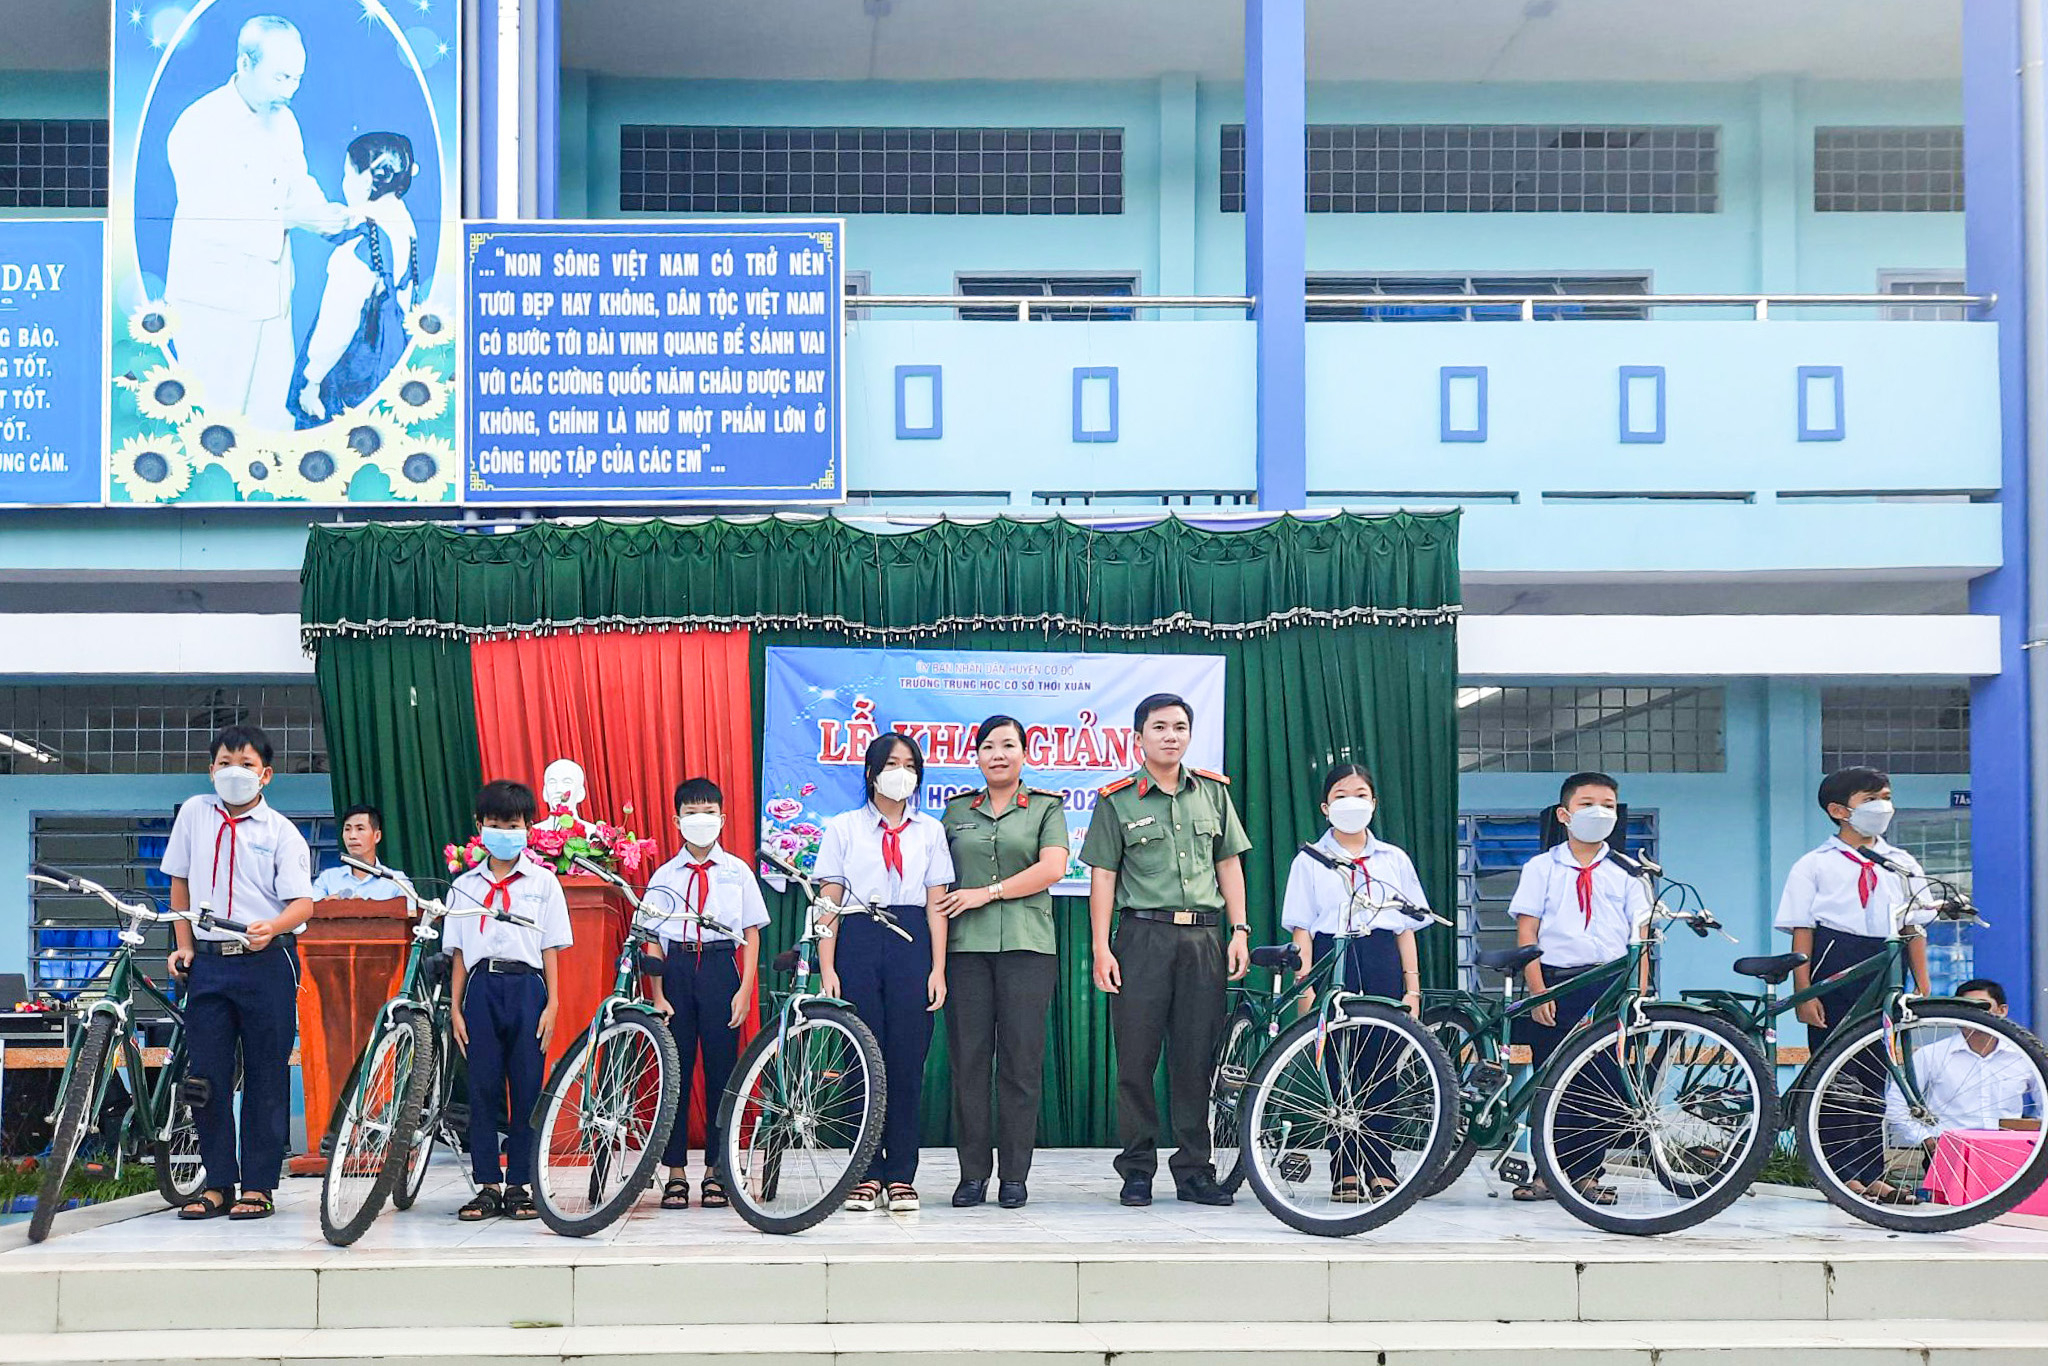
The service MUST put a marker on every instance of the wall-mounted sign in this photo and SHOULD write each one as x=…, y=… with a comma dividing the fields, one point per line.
x=52, y=310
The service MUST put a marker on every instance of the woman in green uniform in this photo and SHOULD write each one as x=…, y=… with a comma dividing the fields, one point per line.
x=1009, y=845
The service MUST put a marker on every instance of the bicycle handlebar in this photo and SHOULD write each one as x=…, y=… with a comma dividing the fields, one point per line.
x=855, y=906
x=1395, y=899
x=65, y=881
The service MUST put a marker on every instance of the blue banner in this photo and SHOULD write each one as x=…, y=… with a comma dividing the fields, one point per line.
x=51, y=344
x=639, y=363
x=823, y=707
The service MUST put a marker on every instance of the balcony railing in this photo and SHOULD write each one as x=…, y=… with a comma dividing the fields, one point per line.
x=1759, y=305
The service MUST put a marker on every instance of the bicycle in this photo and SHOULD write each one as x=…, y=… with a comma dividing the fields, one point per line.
x=159, y=1116
x=1859, y=1105
x=1345, y=1115
x=604, y=1115
x=802, y=1115
x=1673, y=1100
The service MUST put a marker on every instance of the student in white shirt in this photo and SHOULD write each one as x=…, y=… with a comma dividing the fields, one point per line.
x=1322, y=903
x=706, y=985
x=362, y=830
x=504, y=994
x=1582, y=909
x=231, y=854
x=1970, y=1080
x=1839, y=907
x=888, y=854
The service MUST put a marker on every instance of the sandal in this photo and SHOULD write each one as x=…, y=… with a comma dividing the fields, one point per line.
x=205, y=1207
x=864, y=1198
x=1890, y=1195
x=675, y=1193
x=253, y=1205
x=713, y=1196
x=1533, y=1193
x=485, y=1204
x=519, y=1204
x=1594, y=1193
x=1346, y=1190
x=1381, y=1187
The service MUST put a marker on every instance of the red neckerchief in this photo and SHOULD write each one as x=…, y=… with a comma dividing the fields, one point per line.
x=1586, y=886
x=501, y=890
x=892, y=845
x=227, y=832
x=1866, y=874
x=700, y=883
x=1358, y=869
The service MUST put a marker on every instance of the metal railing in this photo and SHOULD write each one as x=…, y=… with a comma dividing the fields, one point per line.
x=1760, y=305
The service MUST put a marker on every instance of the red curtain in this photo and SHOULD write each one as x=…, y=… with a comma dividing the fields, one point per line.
x=640, y=711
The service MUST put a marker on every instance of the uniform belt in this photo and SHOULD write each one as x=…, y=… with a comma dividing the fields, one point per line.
x=228, y=948
x=508, y=965
x=1207, y=919
x=701, y=945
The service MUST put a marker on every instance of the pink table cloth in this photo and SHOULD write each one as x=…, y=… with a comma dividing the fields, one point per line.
x=1969, y=1163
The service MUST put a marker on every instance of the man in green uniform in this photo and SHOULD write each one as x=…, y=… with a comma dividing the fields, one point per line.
x=1163, y=850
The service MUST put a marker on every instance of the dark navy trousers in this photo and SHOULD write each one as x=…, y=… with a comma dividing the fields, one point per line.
x=250, y=1002
x=1851, y=1123
x=700, y=987
x=884, y=978
x=502, y=1012
x=1372, y=966
x=1585, y=1129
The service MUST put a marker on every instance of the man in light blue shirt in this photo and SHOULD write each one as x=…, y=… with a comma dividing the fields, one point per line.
x=362, y=830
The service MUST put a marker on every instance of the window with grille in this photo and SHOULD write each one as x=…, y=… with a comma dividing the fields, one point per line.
x=1498, y=168
x=1456, y=288
x=1896, y=729
x=1888, y=170
x=152, y=728
x=53, y=163
x=1619, y=729
x=1925, y=284
x=1940, y=839
x=673, y=169
x=1050, y=287
x=1492, y=847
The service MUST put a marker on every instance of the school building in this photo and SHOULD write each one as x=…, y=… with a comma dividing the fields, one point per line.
x=1759, y=509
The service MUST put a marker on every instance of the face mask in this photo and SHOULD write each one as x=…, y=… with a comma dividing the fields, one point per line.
x=1592, y=824
x=897, y=783
x=504, y=845
x=701, y=828
x=1349, y=815
x=236, y=785
x=1872, y=818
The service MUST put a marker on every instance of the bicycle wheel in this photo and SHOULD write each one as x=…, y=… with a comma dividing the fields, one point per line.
x=1234, y=1059
x=180, y=1175
x=1672, y=1120
x=74, y=1115
x=1454, y=1030
x=425, y=1129
x=801, y=1118
x=1972, y=1069
x=1347, y=1122
x=367, y=1135
x=603, y=1121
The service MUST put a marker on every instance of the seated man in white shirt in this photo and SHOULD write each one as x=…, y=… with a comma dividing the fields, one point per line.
x=362, y=830
x=1969, y=1080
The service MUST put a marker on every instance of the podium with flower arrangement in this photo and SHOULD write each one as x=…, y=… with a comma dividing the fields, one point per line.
x=597, y=912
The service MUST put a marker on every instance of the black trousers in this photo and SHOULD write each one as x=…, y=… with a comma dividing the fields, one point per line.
x=250, y=1001
x=1851, y=1123
x=996, y=1006
x=1366, y=1076
x=1581, y=1137
x=700, y=986
x=502, y=1010
x=1171, y=1002
x=884, y=979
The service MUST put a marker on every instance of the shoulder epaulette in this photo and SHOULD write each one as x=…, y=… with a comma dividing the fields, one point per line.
x=1205, y=773
x=1119, y=785
x=1051, y=792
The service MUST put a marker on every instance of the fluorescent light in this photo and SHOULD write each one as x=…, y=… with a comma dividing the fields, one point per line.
x=1472, y=697
x=35, y=752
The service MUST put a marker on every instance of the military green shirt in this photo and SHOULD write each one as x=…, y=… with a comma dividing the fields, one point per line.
x=988, y=847
x=1164, y=847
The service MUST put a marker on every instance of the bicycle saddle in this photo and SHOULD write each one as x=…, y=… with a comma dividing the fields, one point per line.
x=1773, y=969
x=1278, y=957
x=1508, y=961
x=436, y=969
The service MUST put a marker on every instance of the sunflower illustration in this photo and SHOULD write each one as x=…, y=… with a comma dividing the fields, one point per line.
x=226, y=438
x=429, y=325
x=422, y=469
x=164, y=395
x=317, y=468
x=257, y=470
x=152, y=324
x=153, y=469
x=414, y=394
x=361, y=437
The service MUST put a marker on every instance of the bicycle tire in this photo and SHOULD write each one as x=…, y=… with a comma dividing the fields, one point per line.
x=655, y=1114
x=1267, y=1167
x=756, y=1154
x=2021, y=1182
x=389, y=1075
x=1576, y=1057
x=1228, y=1079
x=426, y=1132
x=1454, y=1030
x=74, y=1111
x=180, y=1174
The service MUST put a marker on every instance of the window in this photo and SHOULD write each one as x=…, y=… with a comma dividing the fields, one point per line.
x=1888, y=170
x=53, y=163
x=1498, y=168
x=1565, y=729
x=1492, y=847
x=1051, y=287
x=667, y=169
x=857, y=283
x=146, y=728
x=1940, y=839
x=1464, y=286
x=1897, y=729
x=1923, y=284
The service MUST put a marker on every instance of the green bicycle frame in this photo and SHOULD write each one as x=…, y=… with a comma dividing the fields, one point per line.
x=1270, y=1010
x=148, y=1118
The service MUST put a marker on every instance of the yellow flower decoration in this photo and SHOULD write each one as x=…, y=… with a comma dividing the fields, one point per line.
x=414, y=394
x=257, y=470
x=319, y=466
x=361, y=437
x=422, y=470
x=164, y=395
x=226, y=439
x=152, y=469
x=152, y=324
x=429, y=326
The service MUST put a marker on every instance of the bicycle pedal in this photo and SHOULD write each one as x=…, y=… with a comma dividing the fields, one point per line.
x=1295, y=1168
x=1486, y=1080
x=196, y=1091
x=1234, y=1078
x=1515, y=1169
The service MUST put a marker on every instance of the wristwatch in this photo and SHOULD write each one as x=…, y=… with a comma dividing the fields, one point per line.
x=1241, y=927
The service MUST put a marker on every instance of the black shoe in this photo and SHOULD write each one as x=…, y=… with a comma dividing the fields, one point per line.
x=1137, y=1191
x=1201, y=1189
x=968, y=1194
x=1011, y=1194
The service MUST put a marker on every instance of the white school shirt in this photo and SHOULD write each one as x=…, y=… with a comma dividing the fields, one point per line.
x=1821, y=890
x=1966, y=1090
x=736, y=905
x=343, y=883
x=267, y=856
x=1549, y=893
x=536, y=896
x=850, y=855
x=1317, y=896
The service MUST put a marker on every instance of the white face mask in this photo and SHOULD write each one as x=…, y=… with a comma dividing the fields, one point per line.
x=236, y=785
x=1592, y=824
x=701, y=828
x=1349, y=815
x=1872, y=818
x=897, y=783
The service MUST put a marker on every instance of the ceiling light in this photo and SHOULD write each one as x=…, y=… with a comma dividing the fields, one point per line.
x=1472, y=697
x=23, y=747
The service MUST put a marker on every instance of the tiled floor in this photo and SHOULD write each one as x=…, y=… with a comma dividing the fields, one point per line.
x=1073, y=1208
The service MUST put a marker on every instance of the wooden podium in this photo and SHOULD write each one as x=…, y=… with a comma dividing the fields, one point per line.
x=597, y=920
x=352, y=955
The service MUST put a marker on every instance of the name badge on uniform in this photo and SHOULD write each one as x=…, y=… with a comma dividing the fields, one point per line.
x=1139, y=824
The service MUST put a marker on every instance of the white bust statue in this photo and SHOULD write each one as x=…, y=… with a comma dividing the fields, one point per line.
x=562, y=785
